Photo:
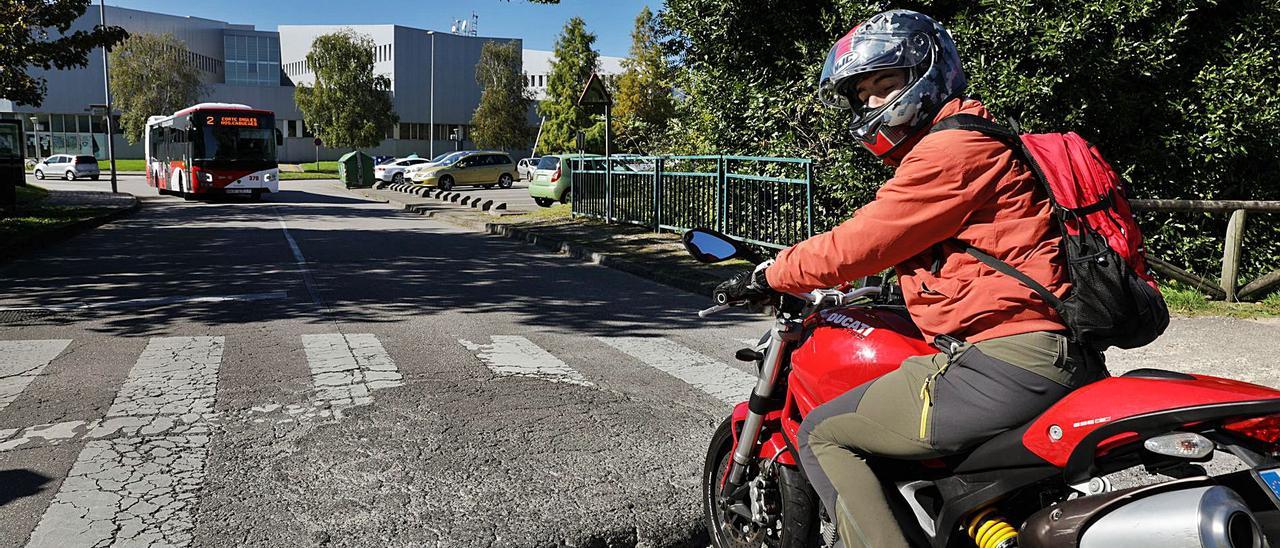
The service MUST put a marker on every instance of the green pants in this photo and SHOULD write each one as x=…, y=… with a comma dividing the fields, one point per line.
x=931, y=406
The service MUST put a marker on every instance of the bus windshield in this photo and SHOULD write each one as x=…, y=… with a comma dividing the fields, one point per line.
x=245, y=139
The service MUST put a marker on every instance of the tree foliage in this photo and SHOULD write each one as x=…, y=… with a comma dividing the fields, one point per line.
x=151, y=76
x=574, y=62
x=502, y=118
x=643, y=103
x=28, y=39
x=1177, y=94
x=349, y=105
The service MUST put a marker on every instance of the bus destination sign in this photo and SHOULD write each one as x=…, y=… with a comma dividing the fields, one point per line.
x=239, y=121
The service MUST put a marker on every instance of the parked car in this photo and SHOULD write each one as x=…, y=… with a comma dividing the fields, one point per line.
x=68, y=167
x=394, y=171
x=526, y=167
x=487, y=168
x=551, y=183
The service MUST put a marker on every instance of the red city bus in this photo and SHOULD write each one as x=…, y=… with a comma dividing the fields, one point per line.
x=213, y=148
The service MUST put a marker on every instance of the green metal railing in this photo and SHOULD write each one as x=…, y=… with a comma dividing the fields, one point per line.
x=764, y=201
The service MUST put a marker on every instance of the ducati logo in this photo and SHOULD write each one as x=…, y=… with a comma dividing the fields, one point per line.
x=849, y=323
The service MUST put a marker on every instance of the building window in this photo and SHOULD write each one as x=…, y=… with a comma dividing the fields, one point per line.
x=252, y=60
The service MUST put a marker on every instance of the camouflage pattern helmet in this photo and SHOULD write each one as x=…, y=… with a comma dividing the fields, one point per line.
x=900, y=39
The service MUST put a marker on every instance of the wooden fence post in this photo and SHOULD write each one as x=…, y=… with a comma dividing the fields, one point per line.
x=1231, y=253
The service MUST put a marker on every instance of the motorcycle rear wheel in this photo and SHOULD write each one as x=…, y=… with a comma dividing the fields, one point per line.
x=795, y=525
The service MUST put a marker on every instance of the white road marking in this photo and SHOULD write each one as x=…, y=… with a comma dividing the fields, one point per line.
x=141, y=490
x=301, y=259
x=21, y=362
x=515, y=356
x=149, y=301
x=722, y=381
x=347, y=368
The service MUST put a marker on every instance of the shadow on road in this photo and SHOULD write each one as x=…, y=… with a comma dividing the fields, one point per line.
x=20, y=483
x=370, y=265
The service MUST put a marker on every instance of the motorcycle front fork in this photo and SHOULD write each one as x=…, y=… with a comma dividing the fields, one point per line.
x=784, y=333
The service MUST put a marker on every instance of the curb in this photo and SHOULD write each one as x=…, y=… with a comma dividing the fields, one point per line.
x=468, y=200
x=584, y=253
x=62, y=234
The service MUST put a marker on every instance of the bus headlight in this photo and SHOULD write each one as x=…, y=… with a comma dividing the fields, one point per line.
x=208, y=177
x=269, y=177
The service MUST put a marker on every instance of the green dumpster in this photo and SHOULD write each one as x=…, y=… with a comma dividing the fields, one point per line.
x=355, y=169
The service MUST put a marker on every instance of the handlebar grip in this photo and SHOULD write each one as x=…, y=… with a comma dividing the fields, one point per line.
x=712, y=310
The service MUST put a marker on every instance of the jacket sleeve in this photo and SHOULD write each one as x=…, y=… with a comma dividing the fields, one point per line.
x=928, y=200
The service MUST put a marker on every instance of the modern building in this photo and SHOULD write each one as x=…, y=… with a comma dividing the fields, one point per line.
x=433, y=81
x=537, y=69
x=433, y=84
x=237, y=63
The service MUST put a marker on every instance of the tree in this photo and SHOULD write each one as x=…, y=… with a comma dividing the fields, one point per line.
x=25, y=32
x=573, y=65
x=502, y=118
x=349, y=106
x=643, y=104
x=150, y=75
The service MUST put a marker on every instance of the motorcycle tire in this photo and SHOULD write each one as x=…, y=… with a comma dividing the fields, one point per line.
x=797, y=524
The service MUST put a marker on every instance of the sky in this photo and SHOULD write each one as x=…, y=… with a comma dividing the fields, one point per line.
x=537, y=24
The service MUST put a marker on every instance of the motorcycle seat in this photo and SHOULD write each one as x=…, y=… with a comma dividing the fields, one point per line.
x=1001, y=452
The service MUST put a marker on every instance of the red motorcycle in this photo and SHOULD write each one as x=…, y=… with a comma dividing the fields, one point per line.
x=1044, y=484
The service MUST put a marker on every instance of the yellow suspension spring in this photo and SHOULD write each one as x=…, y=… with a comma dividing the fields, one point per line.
x=989, y=530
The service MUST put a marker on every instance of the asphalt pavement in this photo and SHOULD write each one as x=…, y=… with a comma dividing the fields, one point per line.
x=320, y=370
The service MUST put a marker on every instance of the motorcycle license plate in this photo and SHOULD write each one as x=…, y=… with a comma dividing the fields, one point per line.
x=1270, y=477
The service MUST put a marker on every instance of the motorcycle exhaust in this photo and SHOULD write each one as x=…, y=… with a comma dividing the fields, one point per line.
x=1205, y=516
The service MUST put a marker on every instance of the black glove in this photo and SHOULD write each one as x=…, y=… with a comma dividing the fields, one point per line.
x=749, y=286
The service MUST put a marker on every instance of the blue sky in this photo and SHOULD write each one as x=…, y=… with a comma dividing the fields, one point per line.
x=536, y=24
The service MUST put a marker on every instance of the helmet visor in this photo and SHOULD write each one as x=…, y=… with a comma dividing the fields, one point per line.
x=855, y=55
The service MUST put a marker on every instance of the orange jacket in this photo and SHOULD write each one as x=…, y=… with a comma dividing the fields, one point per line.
x=952, y=186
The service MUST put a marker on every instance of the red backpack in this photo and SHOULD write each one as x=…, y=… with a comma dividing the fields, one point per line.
x=1113, y=301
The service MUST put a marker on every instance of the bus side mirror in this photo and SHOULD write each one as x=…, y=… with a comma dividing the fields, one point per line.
x=279, y=137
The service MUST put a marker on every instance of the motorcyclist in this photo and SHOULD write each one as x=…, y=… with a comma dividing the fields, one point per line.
x=1007, y=356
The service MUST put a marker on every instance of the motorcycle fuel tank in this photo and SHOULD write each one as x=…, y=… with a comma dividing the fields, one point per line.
x=846, y=347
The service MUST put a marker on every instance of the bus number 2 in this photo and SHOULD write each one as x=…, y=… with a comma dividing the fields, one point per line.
x=208, y=120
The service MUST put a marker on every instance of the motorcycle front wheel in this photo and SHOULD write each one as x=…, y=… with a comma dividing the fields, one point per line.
x=790, y=503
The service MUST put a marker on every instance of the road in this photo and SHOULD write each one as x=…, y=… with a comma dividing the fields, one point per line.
x=190, y=361
x=318, y=370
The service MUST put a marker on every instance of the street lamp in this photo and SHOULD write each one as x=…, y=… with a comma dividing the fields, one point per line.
x=106, y=86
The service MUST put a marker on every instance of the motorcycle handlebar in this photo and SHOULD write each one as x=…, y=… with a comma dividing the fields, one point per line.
x=817, y=297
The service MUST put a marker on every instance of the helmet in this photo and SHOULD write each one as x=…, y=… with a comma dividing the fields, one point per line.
x=894, y=39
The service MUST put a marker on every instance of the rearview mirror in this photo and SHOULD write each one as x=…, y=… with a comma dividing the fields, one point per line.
x=279, y=137
x=709, y=246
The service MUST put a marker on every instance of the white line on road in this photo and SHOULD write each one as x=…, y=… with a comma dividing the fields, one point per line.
x=726, y=383
x=301, y=259
x=142, y=490
x=515, y=356
x=347, y=368
x=149, y=301
x=23, y=361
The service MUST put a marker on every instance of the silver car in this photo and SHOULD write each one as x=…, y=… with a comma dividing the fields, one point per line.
x=526, y=167
x=67, y=166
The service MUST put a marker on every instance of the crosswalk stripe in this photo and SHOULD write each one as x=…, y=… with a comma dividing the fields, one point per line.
x=722, y=381
x=346, y=368
x=516, y=356
x=23, y=361
x=142, y=489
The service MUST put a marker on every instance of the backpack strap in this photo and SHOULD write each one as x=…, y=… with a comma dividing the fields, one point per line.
x=979, y=124
x=1009, y=270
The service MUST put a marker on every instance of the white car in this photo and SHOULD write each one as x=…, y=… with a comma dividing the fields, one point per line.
x=394, y=171
x=526, y=167
x=67, y=166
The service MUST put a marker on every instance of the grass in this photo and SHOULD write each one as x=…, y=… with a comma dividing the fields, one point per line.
x=1185, y=301
x=307, y=175
x=35, y=220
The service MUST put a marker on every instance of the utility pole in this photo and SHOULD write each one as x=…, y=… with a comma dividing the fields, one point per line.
x=106, y=85
x=431, y=131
